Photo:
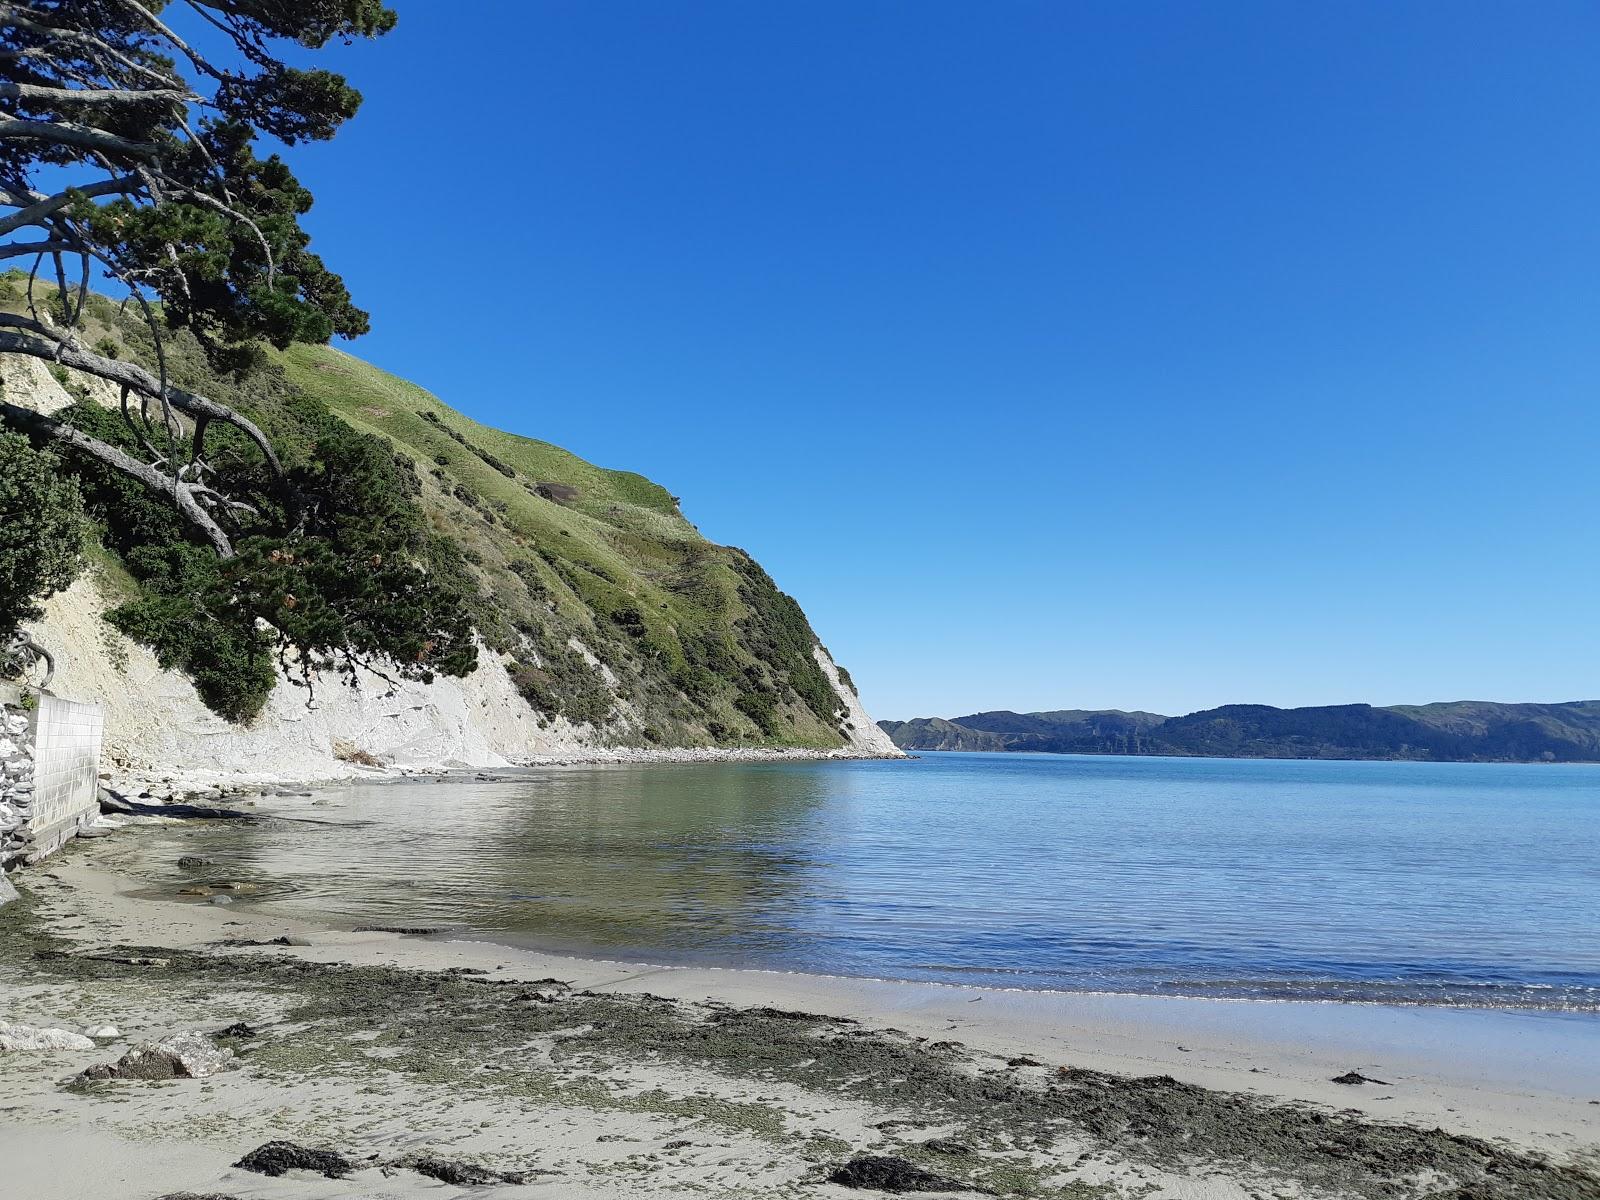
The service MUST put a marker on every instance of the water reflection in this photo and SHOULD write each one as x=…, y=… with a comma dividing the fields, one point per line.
x=1401, y=881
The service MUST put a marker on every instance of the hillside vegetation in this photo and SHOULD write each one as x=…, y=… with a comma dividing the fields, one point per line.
x=695, y=638
x=614, y=612
x=1460, y=731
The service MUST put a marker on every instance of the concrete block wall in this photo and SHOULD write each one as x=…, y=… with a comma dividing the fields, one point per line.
x=49, y=783
x=66, y=765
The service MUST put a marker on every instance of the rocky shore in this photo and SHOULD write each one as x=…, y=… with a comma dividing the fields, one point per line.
x=226, y=1051
x=209, y=785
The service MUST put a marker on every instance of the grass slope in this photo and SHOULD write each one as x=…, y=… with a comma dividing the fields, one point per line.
x=616, y=613
x=702, y=646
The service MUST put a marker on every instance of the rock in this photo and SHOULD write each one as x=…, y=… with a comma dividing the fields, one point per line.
x=94, y=831
x=102, y=1031
x=237, y=1030
x=278, y=1158
x=7, y=892
x=1352, y=1078
x=946, y=1146
x=114, y=801
x=32, y=1037
x=190, y=861
x=220, y=901
x=883, y=1173
x=462, y=1174
x=186, y=1055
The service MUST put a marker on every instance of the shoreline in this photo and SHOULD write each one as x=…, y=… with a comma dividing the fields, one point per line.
x=535, y=945
x=181, y=783
x=1474, y=1074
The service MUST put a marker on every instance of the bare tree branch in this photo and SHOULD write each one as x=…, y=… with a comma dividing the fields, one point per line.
x=85, y=137
x=40, y=207
x=166, y=31
x=22, y=18
x=184, y=494
x=21, y=249
x=134, y=377
x=48, y=95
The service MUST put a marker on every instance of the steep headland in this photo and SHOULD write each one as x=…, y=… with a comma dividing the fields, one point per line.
x=604, y=622
x=1458, y=731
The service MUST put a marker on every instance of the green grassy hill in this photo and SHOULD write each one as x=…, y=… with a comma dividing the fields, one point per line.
x=613, y=611
x=704, y=648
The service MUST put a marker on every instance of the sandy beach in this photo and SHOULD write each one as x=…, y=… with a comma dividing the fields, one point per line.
x=594, y=1078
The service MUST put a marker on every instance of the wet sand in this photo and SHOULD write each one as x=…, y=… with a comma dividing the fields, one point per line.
x=610, y=1078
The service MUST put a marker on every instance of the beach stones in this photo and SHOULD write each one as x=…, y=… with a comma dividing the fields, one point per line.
x=33, y=1037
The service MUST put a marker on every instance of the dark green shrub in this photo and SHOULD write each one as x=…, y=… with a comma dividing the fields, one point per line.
x=41, y=531
x=778, y=634
x=339, y=565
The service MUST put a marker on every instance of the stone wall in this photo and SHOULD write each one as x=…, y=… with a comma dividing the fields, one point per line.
x=49, y=763
x=16, y=777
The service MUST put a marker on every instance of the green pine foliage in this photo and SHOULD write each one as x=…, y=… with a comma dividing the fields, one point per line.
x=335, y=569
x=41, y=531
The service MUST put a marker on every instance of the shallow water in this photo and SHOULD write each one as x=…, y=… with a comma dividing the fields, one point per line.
x=1428, y=883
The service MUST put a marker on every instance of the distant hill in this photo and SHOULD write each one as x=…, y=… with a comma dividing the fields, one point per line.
x=1457, y=731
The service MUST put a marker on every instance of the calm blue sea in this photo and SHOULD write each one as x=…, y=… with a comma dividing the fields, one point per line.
x=1424, y=883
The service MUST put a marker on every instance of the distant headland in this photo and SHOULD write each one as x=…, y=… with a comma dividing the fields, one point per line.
x=1455, y=731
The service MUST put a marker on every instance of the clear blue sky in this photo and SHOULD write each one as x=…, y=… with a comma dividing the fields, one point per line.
x=1150, y=355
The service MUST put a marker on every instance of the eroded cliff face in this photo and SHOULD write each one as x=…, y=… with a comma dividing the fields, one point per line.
x=156, y=722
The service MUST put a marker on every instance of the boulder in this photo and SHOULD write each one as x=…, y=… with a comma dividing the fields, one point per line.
x=187, y=1055
x=32, y=1037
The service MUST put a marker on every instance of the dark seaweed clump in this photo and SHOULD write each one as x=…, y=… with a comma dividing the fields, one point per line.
x=278, y=1158
x=883, y=1173
x=463, y=1174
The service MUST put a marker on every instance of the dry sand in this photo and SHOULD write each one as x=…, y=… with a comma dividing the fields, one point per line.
x=626, y=1079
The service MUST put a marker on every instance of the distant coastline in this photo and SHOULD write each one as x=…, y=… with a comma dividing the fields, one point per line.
x=1452, y=731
